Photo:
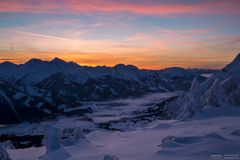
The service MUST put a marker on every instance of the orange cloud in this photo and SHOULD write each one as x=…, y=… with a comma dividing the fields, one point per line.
x=146, y=60
x=152, y=51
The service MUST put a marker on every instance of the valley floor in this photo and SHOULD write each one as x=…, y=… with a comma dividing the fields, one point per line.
x=201, y=139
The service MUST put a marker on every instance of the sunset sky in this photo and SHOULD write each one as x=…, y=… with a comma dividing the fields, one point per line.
x=150, y=34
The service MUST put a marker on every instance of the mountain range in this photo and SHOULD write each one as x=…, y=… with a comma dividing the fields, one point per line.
x=39, y=89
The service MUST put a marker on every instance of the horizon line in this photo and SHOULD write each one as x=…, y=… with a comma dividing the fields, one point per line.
x=6, y=60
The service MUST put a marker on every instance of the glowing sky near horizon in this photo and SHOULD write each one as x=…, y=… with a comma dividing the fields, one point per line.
x=150, y=34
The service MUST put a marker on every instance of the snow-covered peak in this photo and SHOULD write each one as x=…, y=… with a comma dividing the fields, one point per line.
x=127, y=72
x=28, y=68
x=234, y=66
x=7, y=69
x=123, y=66
x=176, y=72
x=32, y=65
x=8, y=64
x=34, y=61
x=61, y=65
x=57, y=60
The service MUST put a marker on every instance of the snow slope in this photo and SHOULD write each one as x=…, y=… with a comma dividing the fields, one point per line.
x=197, y=139
x=200, y=139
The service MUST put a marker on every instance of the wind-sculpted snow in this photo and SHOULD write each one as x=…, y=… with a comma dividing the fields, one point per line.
x=54, y=150
x=194, y=147
x=161, y=139
x=73, y=136
x=218, y=95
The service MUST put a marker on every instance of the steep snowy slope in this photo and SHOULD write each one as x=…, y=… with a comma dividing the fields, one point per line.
x=16, y=105
x=218, y=95
x=36, y=70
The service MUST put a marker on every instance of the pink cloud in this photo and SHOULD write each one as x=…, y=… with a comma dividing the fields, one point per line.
x=76, y=6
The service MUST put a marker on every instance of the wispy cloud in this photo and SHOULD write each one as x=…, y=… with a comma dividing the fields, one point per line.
x=144, y=50
x=141, y=7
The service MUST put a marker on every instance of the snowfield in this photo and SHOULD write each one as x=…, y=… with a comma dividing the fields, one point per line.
x=200, y=139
